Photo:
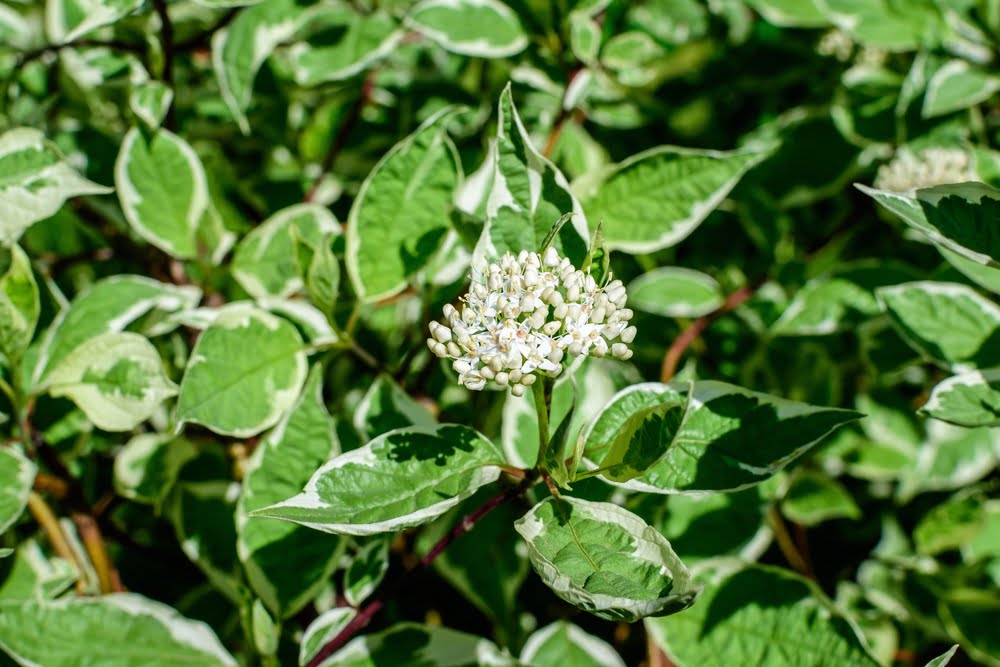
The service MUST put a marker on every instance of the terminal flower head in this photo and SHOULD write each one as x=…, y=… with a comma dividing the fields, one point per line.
x=908, y=171
x=525, y=315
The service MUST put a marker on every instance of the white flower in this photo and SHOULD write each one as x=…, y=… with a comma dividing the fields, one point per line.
x=524, y=314
x=909, y=171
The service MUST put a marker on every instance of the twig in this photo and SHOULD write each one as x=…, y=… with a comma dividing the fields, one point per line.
x=80, y=511
x=167, y=41
x=343, y=133
x=689, y=335
x=786, y=544
x=46, y=518
x=466, y=524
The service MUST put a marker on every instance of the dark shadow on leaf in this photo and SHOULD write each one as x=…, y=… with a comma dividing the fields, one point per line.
x=439, y=447
x=751, y=588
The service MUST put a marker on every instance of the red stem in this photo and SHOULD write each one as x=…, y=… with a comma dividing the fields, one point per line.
x=369, y=610
x=673, y=356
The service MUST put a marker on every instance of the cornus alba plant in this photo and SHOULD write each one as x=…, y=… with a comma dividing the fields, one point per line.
x=462, y=333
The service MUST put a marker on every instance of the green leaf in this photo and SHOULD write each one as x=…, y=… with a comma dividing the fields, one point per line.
x=528, y=196
x=163, y=190
x=239, y=50
x=202, y=507
x=401, y=479
x=362, y=41
x=956, y=86
x=729, y=439
x=950, y=525
x=598, y=260
x=760, y=616
x=986, y=276
x=264, y=262
x=402, y=211
x=642, y=440
x=322, y=277
x=150, y=101
x=287, y=564
x=326, y=626
x=19, y=305
x=591, y=384
x=17, y=474
x=235, y=393
x=951, y=457
x=147, y=466
x=367, y=569
x=109, y=306
x=968, y=399
x=117, y=379
x=972, y=617
x=34, y=577
x=413, y=644
x=605, y=560
x=675, y=292
x=947, y=322
x=119, y=629
x=655, y=199
x=813, y=498
x=959, y=217
x=701, y=527
x=943, y=659
x=35, y=181
x=584, y=37
x=558, y=449
x=265, y=632
x=477, y=28
x=790, y=13
x=562, y=643
x=385, y=407
x=884, y=24
x=834, y=303
x=68, y=20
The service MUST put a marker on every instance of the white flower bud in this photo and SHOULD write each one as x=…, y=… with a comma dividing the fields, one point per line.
x=628, y=335
x=550, y=328
x=487, y=372
x=528, y=380
x=461, y=366
x=556, y=355
x=551, y=257
x=516, y=375
x=496, y=364
x=502, y=378
x=575, y=349
x=619, y=350
x=440, y=350
x=561, y=311
x=453, y=350
x=517, y=389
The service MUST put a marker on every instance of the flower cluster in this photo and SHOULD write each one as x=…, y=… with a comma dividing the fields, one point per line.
x=524, y=315
x=909, y=171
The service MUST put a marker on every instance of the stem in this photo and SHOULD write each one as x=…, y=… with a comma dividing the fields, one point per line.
x=787, y=544
x=564, y=114
x=542, y=398
x=689, y=335
x=46, y=518
x=343, y=133
x=81, y=512
x=367, y=612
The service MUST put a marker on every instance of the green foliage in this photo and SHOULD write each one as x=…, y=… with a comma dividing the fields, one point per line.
x=762, y=418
